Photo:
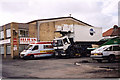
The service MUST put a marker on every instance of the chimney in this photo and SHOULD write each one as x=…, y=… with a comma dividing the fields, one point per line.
x=115, y=27
x=115, y=31
x=69, y=15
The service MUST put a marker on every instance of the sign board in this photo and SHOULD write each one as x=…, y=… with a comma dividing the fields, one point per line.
x=27, y=40
x=8, y=32
x=6, y=41
x=15, y=41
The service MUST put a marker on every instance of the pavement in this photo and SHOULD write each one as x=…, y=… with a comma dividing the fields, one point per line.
x=52, y=68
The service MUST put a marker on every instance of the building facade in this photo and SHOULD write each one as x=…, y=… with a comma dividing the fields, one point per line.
x=10, y=36
x=14, y=37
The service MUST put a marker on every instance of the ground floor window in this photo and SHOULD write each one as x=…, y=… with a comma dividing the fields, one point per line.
x=8, y=49
x=1, y=49
x=22, y=47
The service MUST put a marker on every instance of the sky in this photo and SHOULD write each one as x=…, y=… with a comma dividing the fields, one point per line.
x=98, y=13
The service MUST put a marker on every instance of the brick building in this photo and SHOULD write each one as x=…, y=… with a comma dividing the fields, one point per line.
x=14, y=37
x=10, y=35
x=112, y=32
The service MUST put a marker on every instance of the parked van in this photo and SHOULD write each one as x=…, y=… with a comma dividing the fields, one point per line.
x=39, y=49
x=107, y=52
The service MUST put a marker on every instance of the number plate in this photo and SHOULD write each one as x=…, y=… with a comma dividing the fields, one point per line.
x=95, y=54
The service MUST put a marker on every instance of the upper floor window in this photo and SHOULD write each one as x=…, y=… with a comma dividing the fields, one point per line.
x=1, y=34
x=23, y=33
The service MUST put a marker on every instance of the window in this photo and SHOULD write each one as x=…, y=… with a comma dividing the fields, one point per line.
x=26, y=33
x=109, y=49
x=48, y=46
x=14, y=33
x=116, y=48
x=65, y=41
x=23, y=33
x=23, y=47
x=29, y=47
x=59, y=43
x=2, y=50
x=8, y=34
x=8, y=49
x=1, y=34
x=35, y=48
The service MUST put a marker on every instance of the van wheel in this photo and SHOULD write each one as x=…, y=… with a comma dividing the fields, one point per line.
x=31, y=56
x=111, y=58
x=99, y=60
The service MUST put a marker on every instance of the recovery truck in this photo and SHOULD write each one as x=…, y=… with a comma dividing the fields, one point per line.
x=75, y=40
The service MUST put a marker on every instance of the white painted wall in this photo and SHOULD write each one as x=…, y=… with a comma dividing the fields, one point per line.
x=82, y=33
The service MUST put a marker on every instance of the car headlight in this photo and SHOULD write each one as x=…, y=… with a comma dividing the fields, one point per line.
x=22, y=54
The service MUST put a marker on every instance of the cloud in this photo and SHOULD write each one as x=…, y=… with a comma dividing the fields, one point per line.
x=99, y=13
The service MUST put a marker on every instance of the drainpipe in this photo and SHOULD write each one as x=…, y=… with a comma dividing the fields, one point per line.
x=38, y=31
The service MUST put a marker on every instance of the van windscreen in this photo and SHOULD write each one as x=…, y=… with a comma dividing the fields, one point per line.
x=29, y=47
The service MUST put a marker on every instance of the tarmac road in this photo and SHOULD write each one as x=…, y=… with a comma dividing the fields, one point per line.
x=51, y=68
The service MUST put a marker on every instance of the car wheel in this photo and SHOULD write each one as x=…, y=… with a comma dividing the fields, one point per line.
x=99, y=60
x=31, y=56
x=111, y=58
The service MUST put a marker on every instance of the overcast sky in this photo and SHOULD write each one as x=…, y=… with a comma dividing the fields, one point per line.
x=99, y=13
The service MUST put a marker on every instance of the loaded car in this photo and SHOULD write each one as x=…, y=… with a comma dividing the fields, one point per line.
x=107, y=52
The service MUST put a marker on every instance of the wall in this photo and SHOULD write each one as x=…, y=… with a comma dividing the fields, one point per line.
x=47, y=31
x=13, y=47
x=48, y=28
x=14, y=52
x=32, y=31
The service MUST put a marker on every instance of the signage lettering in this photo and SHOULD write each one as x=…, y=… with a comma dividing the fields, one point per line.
x=27, y=40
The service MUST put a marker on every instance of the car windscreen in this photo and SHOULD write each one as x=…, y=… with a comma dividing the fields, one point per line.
x=101, y=48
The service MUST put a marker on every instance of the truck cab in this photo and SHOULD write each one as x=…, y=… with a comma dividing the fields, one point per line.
x=61, y=45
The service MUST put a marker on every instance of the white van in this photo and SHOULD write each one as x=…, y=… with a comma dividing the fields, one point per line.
x=39, y=49
x=107, y=52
